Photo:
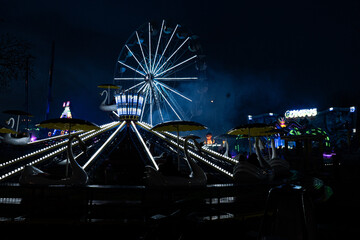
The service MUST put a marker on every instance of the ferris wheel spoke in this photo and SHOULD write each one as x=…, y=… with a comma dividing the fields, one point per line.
x=157, y=70
x=131, y=68
x=135, y=58
x=149, y=48
x=174, y=103
x=119, y=79
x=151, y=106
x=154, y=93
x=177, y=65
x=135, y=86
x=168, y=103
x=157, y=47
x=174, y=71
x=142, y=52
x=157, y=102
x=142, y=87
x=176, y=78
x=172, y=35
x=173, y=90
x=144, y=104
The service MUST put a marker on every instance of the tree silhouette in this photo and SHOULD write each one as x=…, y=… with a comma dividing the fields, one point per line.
x=15, y=60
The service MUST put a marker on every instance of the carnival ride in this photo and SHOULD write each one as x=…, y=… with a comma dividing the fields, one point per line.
x=150, y=66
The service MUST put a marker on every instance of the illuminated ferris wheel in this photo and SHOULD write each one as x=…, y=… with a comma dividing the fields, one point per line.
x=158, y=62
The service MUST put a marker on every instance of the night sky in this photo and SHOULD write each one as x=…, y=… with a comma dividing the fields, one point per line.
x=262, y=56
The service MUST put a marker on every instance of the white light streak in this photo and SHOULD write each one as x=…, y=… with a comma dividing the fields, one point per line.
x=137, y=35
x=157, y=47
x=135, y=58
x=158, y=104
x=174, y=91
x=84, y=136
x=144, y=145
x=208, y=162
x=157, y=70
x=179, y=64
x=142, y=87
x=166, y=47
x=149, y=47
x=129, y=78
x=142, y=111
x=168, y=103
x=132, y=68
x=143, y=82
x=95, y=155
x=115, y=113
x=176, y=78
x=150, y=99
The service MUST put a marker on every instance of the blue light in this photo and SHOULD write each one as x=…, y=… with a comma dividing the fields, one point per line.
x=129, y=105
x=352, y=109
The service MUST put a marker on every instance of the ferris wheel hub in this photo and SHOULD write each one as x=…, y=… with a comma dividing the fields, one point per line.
x=149, y=77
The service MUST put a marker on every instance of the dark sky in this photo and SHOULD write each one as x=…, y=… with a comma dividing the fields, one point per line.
x=262, y=56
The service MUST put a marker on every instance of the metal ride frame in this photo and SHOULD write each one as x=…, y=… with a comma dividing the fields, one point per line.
x=15, y=166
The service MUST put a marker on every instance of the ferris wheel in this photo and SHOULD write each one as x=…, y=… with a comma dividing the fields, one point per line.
x=158, y=62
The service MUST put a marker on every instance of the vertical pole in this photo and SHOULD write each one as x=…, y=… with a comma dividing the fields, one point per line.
x=151, y=122
x=149, y=47
x=27, y=92
x=50, y=80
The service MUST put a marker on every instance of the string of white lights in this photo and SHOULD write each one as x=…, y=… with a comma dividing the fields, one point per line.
x=16, y=170
x=209, y=151
x=144, y=145
x=49, y=148
x=209, y=163
x=85, y=136
x=204, y=160
x=96, y=154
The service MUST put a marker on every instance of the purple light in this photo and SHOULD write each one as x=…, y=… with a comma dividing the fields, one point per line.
x=328, y=155
x=33, y=139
